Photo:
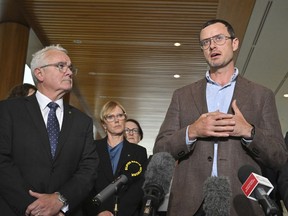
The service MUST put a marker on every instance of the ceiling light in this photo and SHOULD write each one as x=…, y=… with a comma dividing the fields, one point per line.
x=176, y=76
x=92, y=73
x=77, y=41
x=285, y=95
x=177, y=44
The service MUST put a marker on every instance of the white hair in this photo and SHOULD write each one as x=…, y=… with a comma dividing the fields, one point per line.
x=38, y=58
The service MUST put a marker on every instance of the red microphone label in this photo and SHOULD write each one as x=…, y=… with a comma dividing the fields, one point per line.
x=252, y=182
x=249, y=185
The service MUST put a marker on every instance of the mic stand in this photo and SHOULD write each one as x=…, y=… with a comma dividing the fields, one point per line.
x=148, y=210
x=268, y=205
x=154, y=195
x=116, y=205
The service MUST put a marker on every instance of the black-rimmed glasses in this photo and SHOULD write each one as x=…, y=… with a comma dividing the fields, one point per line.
x=62, y=67
x=133, y=130
x=218, y=39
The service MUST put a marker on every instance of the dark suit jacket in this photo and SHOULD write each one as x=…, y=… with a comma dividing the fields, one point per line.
x=286, y=138
x=257, y=104
x=26, y=162
x=130, y=197
x=283, y=184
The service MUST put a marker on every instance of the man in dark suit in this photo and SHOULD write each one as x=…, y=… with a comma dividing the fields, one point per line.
x=282, y=181
x=286, y=138
x=218, y=124
x=35, y=180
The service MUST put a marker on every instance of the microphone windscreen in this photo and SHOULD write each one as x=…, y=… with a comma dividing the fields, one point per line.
x=217, y=195
x=160, y=171
x=245, y=171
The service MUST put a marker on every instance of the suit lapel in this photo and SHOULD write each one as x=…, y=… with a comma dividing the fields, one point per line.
x=124, y=158
x=34, y=111
x=198, y=92
x=65, y=129
x=107, y=167
x=241, y=93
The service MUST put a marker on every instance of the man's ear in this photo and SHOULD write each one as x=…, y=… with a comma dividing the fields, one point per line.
x=235, y=44
x=38, y=74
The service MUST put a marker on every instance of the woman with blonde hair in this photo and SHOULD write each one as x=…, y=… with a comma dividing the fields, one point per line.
x=115, y=153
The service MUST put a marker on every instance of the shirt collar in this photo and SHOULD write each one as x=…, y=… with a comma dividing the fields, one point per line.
x=233, y=78
x=44, y=100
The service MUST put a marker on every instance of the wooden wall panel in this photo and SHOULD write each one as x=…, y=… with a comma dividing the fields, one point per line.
x=13, y=49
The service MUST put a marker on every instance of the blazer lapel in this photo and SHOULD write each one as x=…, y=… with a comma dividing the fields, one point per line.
x=198, y=92
x=241, y=93
x=65, y=129
x=123, y=158
x=103, y=150
x=34, y=111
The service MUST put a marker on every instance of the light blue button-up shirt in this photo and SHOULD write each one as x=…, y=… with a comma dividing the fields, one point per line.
x=218, y=98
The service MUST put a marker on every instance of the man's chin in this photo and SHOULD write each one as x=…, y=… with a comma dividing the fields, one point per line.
x=67, y=85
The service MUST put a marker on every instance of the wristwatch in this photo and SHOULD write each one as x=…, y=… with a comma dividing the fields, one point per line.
x=62, y=199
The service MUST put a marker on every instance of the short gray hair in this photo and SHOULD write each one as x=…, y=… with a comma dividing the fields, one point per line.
x=38, y=58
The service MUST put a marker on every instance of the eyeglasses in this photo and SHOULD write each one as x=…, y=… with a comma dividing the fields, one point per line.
x=111, y=118
x=62, y=67
x=133, y=130
x=218, y=39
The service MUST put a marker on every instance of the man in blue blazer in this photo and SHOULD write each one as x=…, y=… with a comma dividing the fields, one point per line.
x=34, y=180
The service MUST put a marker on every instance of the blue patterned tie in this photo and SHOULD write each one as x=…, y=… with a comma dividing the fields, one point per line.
x=53, y=127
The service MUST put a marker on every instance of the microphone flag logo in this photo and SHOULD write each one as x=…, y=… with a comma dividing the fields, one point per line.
x=252, y=182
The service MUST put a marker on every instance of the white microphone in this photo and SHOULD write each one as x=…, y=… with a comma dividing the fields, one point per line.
x=258, y=188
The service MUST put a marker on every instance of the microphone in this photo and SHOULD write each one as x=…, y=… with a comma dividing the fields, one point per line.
x=258, y=188
x=217, y=195
x=158, y=177
x=131, y=171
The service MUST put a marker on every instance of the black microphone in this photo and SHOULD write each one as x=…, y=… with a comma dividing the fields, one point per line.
x=256, y=187
x=130, y=172
x=217, y=195
x=158, y=177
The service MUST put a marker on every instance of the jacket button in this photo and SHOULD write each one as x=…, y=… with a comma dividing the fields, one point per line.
x=181, y=154
x=210, y=158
